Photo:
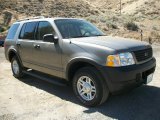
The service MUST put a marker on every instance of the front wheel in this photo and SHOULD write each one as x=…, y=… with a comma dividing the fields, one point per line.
x=90, y=87
x=16, y=67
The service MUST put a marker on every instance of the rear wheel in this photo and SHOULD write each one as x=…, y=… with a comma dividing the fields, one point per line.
x=90, y=87
x=16, y=67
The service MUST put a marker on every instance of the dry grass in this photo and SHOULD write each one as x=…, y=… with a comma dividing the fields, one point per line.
x=104, y=14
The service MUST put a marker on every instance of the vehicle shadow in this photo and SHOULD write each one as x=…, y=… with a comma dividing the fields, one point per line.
x=142, y=103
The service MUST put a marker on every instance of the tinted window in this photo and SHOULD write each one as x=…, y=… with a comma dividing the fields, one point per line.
x=28, y=30
x=71, y=28
x=43, y=29
x=12, y=31
x=22, y=32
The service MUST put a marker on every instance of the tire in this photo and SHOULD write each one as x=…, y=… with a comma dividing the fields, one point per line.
x=97, y=85
x=16, y=67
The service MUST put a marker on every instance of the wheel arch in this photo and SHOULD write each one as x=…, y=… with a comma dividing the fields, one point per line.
x=12, y=53
x=78, y=63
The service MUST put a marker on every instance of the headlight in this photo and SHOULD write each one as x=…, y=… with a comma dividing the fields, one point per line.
x=122, y=59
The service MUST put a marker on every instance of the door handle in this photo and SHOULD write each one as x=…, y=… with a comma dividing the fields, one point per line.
x=36, y=46
x=18, y=43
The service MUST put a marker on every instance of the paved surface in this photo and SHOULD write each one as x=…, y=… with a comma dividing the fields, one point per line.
x=31, y=98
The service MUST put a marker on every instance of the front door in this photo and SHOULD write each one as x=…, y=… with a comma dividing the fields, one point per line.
x=47, y=55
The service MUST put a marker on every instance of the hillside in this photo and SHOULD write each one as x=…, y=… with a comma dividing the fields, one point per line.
x=139, y=14
x=63, y=8
x=128, y=6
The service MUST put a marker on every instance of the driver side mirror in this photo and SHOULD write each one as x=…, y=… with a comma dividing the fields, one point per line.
x=50, y=38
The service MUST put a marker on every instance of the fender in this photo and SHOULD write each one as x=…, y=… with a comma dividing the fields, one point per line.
x=15, y=52
x=81, y=59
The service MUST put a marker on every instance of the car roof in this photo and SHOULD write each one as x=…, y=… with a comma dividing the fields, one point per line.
x=44, y=19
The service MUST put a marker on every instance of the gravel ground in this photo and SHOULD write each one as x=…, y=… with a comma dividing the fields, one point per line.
x=31, y=98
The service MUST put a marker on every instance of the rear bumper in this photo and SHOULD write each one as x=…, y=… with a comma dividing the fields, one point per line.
x=121, y=79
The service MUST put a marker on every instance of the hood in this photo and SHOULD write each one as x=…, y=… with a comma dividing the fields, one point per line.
x=116, y=43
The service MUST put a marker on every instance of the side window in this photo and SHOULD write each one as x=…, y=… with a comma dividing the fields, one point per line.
x=44, y=28
x=21, y=36
x=12, y=31
x=28, y=30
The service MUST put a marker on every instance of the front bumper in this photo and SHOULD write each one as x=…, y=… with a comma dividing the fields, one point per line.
x=127, y=77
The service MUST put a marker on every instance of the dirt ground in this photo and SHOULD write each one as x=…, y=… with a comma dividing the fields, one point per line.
x=31, y=98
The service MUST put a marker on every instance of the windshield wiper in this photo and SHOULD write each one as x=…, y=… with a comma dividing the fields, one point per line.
x=99, y=35
x=80, y=36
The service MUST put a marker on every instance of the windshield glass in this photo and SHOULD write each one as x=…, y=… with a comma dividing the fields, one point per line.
x=73, y=28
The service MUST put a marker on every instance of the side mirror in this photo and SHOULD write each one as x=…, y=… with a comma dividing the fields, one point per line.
x=50, y=38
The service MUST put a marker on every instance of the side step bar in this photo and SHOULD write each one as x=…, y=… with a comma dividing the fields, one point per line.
x=47, y=78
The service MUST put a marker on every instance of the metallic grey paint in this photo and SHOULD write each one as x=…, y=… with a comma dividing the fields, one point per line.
x=56, y=59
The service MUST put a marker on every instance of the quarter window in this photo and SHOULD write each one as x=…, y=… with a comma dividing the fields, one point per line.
x=12, y=31
x=43, y=29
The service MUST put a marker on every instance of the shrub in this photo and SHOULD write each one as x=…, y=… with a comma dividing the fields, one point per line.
x=103, y=20
x=155, y=34
x=105, y=29
x=8, y=27
x=154, y=28
x=92, y=19
x=2, y=29
x=111, y=25
x=114, y=26
x=131, y=26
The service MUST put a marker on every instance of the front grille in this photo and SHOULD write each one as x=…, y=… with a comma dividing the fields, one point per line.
x=143, y=55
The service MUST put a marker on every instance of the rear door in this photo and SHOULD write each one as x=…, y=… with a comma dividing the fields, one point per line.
x=47, y=55
x=25, y=43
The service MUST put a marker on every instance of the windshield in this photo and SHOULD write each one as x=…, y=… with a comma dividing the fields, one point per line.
x=73, y=28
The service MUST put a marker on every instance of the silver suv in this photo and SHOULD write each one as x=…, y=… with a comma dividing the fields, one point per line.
x=77, y=52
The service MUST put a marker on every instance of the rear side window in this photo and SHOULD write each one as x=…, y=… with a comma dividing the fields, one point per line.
x=22, y=32
x=12, y=31
x=43, y=29
x=28, y=31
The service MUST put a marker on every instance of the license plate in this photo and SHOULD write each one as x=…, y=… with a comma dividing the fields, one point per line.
x=149, y=78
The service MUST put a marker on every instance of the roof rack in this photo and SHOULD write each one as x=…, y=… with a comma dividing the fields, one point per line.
x=37, y=17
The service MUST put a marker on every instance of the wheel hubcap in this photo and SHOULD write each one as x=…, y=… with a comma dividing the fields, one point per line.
x=15, y=67
x=86, y=88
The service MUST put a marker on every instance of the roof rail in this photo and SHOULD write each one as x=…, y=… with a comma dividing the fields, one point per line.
x=37, y=17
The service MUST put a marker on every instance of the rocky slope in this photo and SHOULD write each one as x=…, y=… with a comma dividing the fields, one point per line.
x=139, y=14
